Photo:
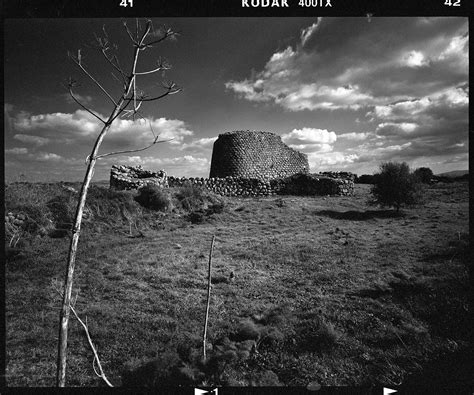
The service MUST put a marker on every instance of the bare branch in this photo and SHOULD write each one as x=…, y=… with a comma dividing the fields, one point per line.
x=129, y=33
x=135, y=150
x=171, y=90
x=78, y=62
x=116, y=65
x=121, y=109
x=167, y=34
x=94, y=350
x=162, y=65
x=84, y=107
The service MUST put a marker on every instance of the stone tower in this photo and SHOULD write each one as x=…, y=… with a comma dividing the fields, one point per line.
x=252, y=154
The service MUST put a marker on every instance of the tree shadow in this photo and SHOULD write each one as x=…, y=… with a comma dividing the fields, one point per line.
x=360, y=215
x=448, y=372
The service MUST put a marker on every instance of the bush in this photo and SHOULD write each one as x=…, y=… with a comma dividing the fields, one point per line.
x=106, y=203
x=317, y=335
x=63, y=208
x=424, y=174
x=153, y=197
x=395, y=186
x=191, y=197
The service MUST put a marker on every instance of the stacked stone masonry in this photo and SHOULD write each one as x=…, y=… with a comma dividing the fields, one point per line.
x=134, y=177
x=330, y=183
x=255, y=155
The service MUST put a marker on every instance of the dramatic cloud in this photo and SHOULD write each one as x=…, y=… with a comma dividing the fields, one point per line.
x=17, y=151
x=326, y=161
x=414, y=59
x=353, y=136
x=60, y=126
x=391, y=128
x=36, y=140
x=310, y=140
x=81, y=127
x=350, y=64
x=48, y=157
x=308, y=32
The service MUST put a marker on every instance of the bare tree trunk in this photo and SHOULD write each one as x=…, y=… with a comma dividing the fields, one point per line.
x=204, y=336
x=76, y=230
x=130, y=88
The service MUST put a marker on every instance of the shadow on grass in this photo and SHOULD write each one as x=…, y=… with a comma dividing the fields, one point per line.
x=450, y=371
x=360, y=215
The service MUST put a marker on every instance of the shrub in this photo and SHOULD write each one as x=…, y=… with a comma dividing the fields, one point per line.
x=395, y=186
x=317, y=335
x=190, y=197
x=62, y=208
x=166, y=369
x=424, y=174
x=109, y=204
x=153, y=197
x=247, y=330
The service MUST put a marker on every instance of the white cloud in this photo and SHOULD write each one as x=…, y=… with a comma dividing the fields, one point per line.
x=327, y=161
x=201, y=144
x=387, y=128
x=17, y=151
x=310, y=139
x=140, y=131
x=329, y=70
x=414, y=59
x=309, y=135
x=315, y=96
x=82, y=127
x=36, y=140
x=354, y=136
x=79, y=123
x=308, y=32
x=48, y=156
x=456, y=53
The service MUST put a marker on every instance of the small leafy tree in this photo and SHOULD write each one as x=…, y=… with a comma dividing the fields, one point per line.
x=424, y=174
x=395, y=186
x=128, y=103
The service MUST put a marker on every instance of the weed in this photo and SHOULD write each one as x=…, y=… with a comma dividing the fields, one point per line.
x=190, y=197
x=153, y=197
x=317, y=335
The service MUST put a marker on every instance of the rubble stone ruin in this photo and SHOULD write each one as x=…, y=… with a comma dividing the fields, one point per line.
x=246, y=163
x=259, y=155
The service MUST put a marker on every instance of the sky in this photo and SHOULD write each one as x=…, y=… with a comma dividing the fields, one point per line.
x=350, y=93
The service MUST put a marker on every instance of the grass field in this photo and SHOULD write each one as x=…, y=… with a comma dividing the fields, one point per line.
x=306, y=289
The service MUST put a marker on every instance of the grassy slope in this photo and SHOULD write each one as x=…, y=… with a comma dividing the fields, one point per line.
x=391, y=290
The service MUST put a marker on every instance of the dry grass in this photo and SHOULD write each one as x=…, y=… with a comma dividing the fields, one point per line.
x=334, y=292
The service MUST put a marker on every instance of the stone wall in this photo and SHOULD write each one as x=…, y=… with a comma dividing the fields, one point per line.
x=134, y=177
x=331, y=183
x=258, y=155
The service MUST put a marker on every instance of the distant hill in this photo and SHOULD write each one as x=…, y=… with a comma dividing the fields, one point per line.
x=454, y=173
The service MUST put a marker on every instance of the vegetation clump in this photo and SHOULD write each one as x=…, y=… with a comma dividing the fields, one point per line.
x=424, y=174
x=154, y=198
x=395, y=186
x=191, y=197
x=317, y=335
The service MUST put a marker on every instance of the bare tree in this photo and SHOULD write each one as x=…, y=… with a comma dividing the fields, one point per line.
x=128, y=104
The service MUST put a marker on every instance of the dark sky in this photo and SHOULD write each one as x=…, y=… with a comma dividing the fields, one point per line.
x=348, y=92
